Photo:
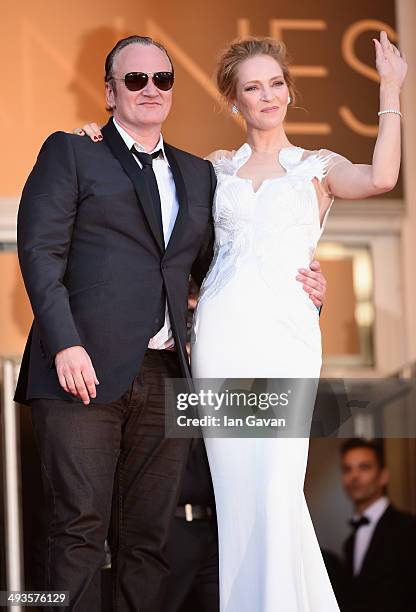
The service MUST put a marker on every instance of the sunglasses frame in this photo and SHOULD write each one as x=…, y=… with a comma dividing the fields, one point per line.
x=147, y=74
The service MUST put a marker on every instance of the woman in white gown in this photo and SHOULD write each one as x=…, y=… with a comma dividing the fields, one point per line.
x=253, y=318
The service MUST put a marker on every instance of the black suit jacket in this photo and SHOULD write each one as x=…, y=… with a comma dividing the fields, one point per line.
x=93, y=262
x=387, y=580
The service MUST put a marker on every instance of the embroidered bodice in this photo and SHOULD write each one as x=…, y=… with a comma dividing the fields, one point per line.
x=280, y=223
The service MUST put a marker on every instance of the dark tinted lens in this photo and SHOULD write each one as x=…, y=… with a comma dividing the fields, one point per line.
x=135, y=80
x=163, y=80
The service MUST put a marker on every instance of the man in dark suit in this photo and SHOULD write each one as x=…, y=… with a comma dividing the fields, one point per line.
x=381, y=549
x=107, y=238
x=108, y=234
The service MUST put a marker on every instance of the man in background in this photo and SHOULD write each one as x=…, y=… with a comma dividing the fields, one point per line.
x=381, y=548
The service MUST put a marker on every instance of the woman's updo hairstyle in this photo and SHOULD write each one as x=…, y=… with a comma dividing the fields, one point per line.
x=243, y=49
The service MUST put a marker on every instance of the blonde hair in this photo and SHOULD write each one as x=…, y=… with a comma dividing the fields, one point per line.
x=243, y=49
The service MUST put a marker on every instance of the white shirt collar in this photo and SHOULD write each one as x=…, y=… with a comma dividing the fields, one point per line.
x=130, y=142
x=376, y=510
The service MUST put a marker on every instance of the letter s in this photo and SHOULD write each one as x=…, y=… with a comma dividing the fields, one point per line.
x=348, y=53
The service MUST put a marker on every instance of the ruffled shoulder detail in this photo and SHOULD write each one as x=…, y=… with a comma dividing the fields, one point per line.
x=289, y=157
x=223, y=161
x=318, y=164
x=228, y=162
x=309, y=164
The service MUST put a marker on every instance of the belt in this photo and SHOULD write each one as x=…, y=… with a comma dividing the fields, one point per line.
x=191, y=512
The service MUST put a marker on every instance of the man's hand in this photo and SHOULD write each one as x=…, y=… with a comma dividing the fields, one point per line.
x=76, y=373
x=314, y=282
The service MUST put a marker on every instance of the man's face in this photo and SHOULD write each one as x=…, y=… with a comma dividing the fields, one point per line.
x=362, y=477
x=145, y=108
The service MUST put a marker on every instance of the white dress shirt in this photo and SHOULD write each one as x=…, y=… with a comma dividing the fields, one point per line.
x=365, y=532
x=170, y=206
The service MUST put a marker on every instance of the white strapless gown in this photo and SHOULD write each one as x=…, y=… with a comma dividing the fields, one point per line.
x=254, y=319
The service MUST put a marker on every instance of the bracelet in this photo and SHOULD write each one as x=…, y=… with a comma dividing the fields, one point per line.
x=389, y=110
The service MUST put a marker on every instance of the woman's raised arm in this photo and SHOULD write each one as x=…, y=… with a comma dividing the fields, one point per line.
x=356, y=181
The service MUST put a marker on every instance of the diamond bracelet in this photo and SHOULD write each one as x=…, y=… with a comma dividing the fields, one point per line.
x=389, y=110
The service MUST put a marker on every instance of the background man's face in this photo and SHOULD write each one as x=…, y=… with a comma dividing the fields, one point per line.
x=362, y=477
x=149, y=106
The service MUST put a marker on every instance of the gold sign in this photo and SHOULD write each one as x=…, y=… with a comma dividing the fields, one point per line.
x=53, y=76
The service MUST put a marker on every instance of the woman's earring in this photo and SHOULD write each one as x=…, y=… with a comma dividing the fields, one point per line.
x=234, y=109
x=289, y=100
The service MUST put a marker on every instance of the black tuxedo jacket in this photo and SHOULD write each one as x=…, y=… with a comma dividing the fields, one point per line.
x=93, y=262
x=387, y=580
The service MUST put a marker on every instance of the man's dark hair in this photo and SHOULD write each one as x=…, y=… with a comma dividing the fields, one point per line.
x=125, y=42
x=373, y=445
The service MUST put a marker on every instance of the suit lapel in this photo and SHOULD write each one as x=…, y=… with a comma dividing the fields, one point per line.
x=182, y=216
x=349, y=552
x=373, y=550
x=129, y=165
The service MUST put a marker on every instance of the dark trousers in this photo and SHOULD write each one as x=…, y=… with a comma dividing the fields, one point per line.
x=193, y=585
x=101, y=461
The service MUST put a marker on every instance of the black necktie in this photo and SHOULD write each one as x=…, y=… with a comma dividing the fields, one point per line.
x=146, y=160
x=357, y=523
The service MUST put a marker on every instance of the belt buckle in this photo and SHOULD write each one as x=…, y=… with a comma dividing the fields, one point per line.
x=188, y=512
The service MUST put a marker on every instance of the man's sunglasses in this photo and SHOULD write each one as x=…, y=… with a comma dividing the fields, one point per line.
x=135, y=81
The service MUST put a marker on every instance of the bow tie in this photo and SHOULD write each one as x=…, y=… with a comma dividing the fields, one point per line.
x=357, y=523
x=146, y=159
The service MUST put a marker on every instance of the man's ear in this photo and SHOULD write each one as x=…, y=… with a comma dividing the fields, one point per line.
x=110, y=97
x=384, y=477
